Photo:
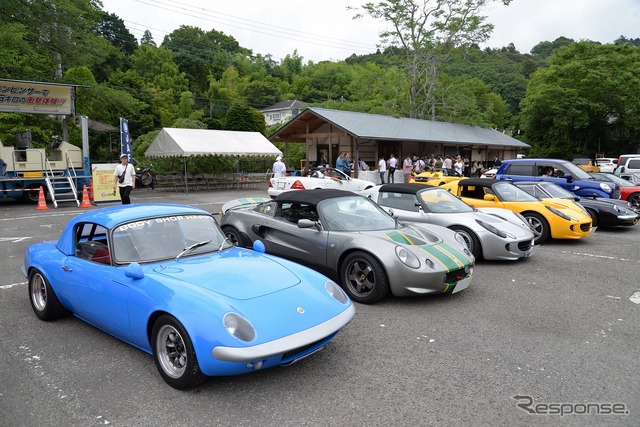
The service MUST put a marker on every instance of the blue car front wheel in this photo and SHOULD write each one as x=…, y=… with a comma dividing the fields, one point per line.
x=174, y=354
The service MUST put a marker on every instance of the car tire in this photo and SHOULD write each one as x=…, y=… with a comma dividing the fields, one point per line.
x=44, y=300
x=539, y=226
x=363, y=278
x=234, y=236
x=174, y=354
x=31, y=194
x=594, y=217
x=634, y=199
x=472, y=240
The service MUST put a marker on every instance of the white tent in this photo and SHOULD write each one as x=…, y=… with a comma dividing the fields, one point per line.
x=185, y=143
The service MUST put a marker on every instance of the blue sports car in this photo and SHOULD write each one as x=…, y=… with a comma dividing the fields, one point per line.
x=165, y=279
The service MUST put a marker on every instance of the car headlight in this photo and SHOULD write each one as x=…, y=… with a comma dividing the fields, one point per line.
x=617, y=208
x=605, y=187
x=407, y=257
x=336, y=292
x=561, y=214
x=463, y=242
x=492, y=229
x=239, y=327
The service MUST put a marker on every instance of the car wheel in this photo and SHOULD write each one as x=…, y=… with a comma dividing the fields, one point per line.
x=43, y=299
x=470, y=238
x=234, y=236
x=363, y=278
x=594, y=217
x=174, y=354
x=539, y=226
x=31, y=194
x=634, y=199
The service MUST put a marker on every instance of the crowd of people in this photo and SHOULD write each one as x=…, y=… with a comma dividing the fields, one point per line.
x=411, y=165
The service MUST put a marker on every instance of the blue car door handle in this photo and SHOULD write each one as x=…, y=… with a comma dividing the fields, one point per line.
x=65, y=268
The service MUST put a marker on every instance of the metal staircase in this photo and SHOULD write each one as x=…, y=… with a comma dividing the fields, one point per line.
x=61, y=186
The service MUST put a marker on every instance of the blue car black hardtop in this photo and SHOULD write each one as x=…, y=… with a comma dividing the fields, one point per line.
x=561, y=172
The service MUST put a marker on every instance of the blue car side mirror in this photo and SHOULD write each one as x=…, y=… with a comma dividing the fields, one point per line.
x=134, y=271
x=258, y=246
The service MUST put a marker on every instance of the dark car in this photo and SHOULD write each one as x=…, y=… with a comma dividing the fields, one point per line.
x=603, y=212
x=561, y=172
x=629, y=191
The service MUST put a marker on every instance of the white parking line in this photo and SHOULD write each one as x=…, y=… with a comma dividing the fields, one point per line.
x=12, y=285
x=601, y=256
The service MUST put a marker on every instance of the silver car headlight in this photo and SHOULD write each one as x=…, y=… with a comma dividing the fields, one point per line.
x=336, y=292
x=239, y=327
x=492, y=229
x=561, y=214
x=407, y=257
x=605, y=187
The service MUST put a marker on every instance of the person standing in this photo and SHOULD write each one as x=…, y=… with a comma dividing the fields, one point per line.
x=393, y=165
x=382, y=168
x=347, y=164
x=458, y=166
x=362, y=165
x=124, y=177
x=340, y=162
x=407, y=167
x=279, y=168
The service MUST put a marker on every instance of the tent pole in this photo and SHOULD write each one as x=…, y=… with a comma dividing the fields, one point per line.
x=186, y=182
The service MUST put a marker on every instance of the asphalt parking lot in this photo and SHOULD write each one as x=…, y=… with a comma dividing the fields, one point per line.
x=553, y=339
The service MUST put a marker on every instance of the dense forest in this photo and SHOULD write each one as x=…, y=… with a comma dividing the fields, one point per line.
x=565, y=97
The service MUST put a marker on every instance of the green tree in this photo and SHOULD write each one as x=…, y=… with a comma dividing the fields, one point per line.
x=242, y=117
x=426, y=32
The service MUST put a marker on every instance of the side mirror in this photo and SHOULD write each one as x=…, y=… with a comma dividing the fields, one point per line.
x=258, y=246
x=306, y=223
x=490, y=197
x=134, y=271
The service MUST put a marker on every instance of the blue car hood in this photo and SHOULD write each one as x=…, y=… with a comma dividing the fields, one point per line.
x=235, y=273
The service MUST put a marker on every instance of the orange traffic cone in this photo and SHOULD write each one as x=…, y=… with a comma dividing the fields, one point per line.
x=85, y=198
x=42, y=203
x=91, y=191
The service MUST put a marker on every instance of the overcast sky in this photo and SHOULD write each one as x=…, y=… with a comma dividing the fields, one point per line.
x=324, y=29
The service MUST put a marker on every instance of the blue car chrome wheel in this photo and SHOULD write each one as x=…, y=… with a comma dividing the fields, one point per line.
x=43, y=299
x=174, y=355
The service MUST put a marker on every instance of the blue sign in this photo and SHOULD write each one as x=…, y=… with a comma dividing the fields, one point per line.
x=125, y=138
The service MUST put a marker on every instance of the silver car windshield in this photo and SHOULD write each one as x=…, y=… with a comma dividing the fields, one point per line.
x=555, y=191
x=441, y=201
x=355, y=213
x=162, y=238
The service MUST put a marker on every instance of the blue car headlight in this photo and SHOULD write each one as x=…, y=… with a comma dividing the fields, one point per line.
x=605, y=187
x=407, y=258
x=239, y=327
x=561, y=214
x=492, y=229
x=336, y=292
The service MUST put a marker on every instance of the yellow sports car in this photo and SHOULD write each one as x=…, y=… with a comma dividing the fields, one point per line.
x=435, y=177
x=556, y=218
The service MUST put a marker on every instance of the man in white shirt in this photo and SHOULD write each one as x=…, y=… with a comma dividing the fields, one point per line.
x=382, y=168
x=279, y=168
x=124, y=178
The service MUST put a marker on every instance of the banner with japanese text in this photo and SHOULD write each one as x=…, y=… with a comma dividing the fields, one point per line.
x=37, y=98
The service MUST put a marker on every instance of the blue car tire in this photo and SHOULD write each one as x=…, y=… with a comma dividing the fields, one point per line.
x=174, y=354
x=44, y=300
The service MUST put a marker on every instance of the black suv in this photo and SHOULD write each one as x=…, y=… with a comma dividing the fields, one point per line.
x=561, y=172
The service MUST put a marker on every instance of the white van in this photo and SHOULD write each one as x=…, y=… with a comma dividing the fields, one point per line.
x=630, y=166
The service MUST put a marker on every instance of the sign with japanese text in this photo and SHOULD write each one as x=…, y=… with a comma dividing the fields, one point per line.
x=104, y=188
x=36, y=98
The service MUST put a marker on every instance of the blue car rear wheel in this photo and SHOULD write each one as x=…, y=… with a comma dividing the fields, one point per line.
x=44, y=300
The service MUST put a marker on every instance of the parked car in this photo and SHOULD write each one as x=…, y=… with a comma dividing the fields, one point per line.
x=323, y=177
x=488, y=235
x=561, y=172
x=435, y=177
x=354, y=241
x=628, y=190
x=586, y=164
x=622, y=160
x=164, y=278
x=607, y=164
x=489, y=173
x=603, y=212
x=629, y=166
x=556, y=218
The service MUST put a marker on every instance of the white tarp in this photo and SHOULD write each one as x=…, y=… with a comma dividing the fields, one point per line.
x=175, y=142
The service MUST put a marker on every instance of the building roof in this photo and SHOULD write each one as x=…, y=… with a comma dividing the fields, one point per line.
x=366, y=126
x=285, y=105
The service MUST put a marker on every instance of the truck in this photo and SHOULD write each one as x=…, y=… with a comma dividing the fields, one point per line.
x=61, y=170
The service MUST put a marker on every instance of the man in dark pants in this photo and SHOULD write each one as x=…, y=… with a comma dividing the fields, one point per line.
x=124, y=179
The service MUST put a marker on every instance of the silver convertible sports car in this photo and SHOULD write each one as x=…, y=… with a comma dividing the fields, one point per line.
x=350, y=238
x=322, y=177
x=499, y=235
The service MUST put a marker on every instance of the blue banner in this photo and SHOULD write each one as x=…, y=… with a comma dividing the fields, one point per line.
x=125, y=138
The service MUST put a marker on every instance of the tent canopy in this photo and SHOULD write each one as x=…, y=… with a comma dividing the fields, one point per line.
x=175, y=142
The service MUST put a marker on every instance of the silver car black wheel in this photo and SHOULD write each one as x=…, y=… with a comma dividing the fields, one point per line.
x=364, y=278
x=234, y=236
x=470, y=239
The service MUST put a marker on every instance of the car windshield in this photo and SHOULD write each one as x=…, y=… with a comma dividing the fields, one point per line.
x=575, y=171
x=508, y=192
x=441, y=201
x=166, y=237
x=556, y=191
x=354, y=213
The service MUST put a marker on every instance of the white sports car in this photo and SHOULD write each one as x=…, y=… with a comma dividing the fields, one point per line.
x=319, y=178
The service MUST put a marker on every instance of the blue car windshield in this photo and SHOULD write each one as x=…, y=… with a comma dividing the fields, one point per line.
x=355, y=213
x=165, y=237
